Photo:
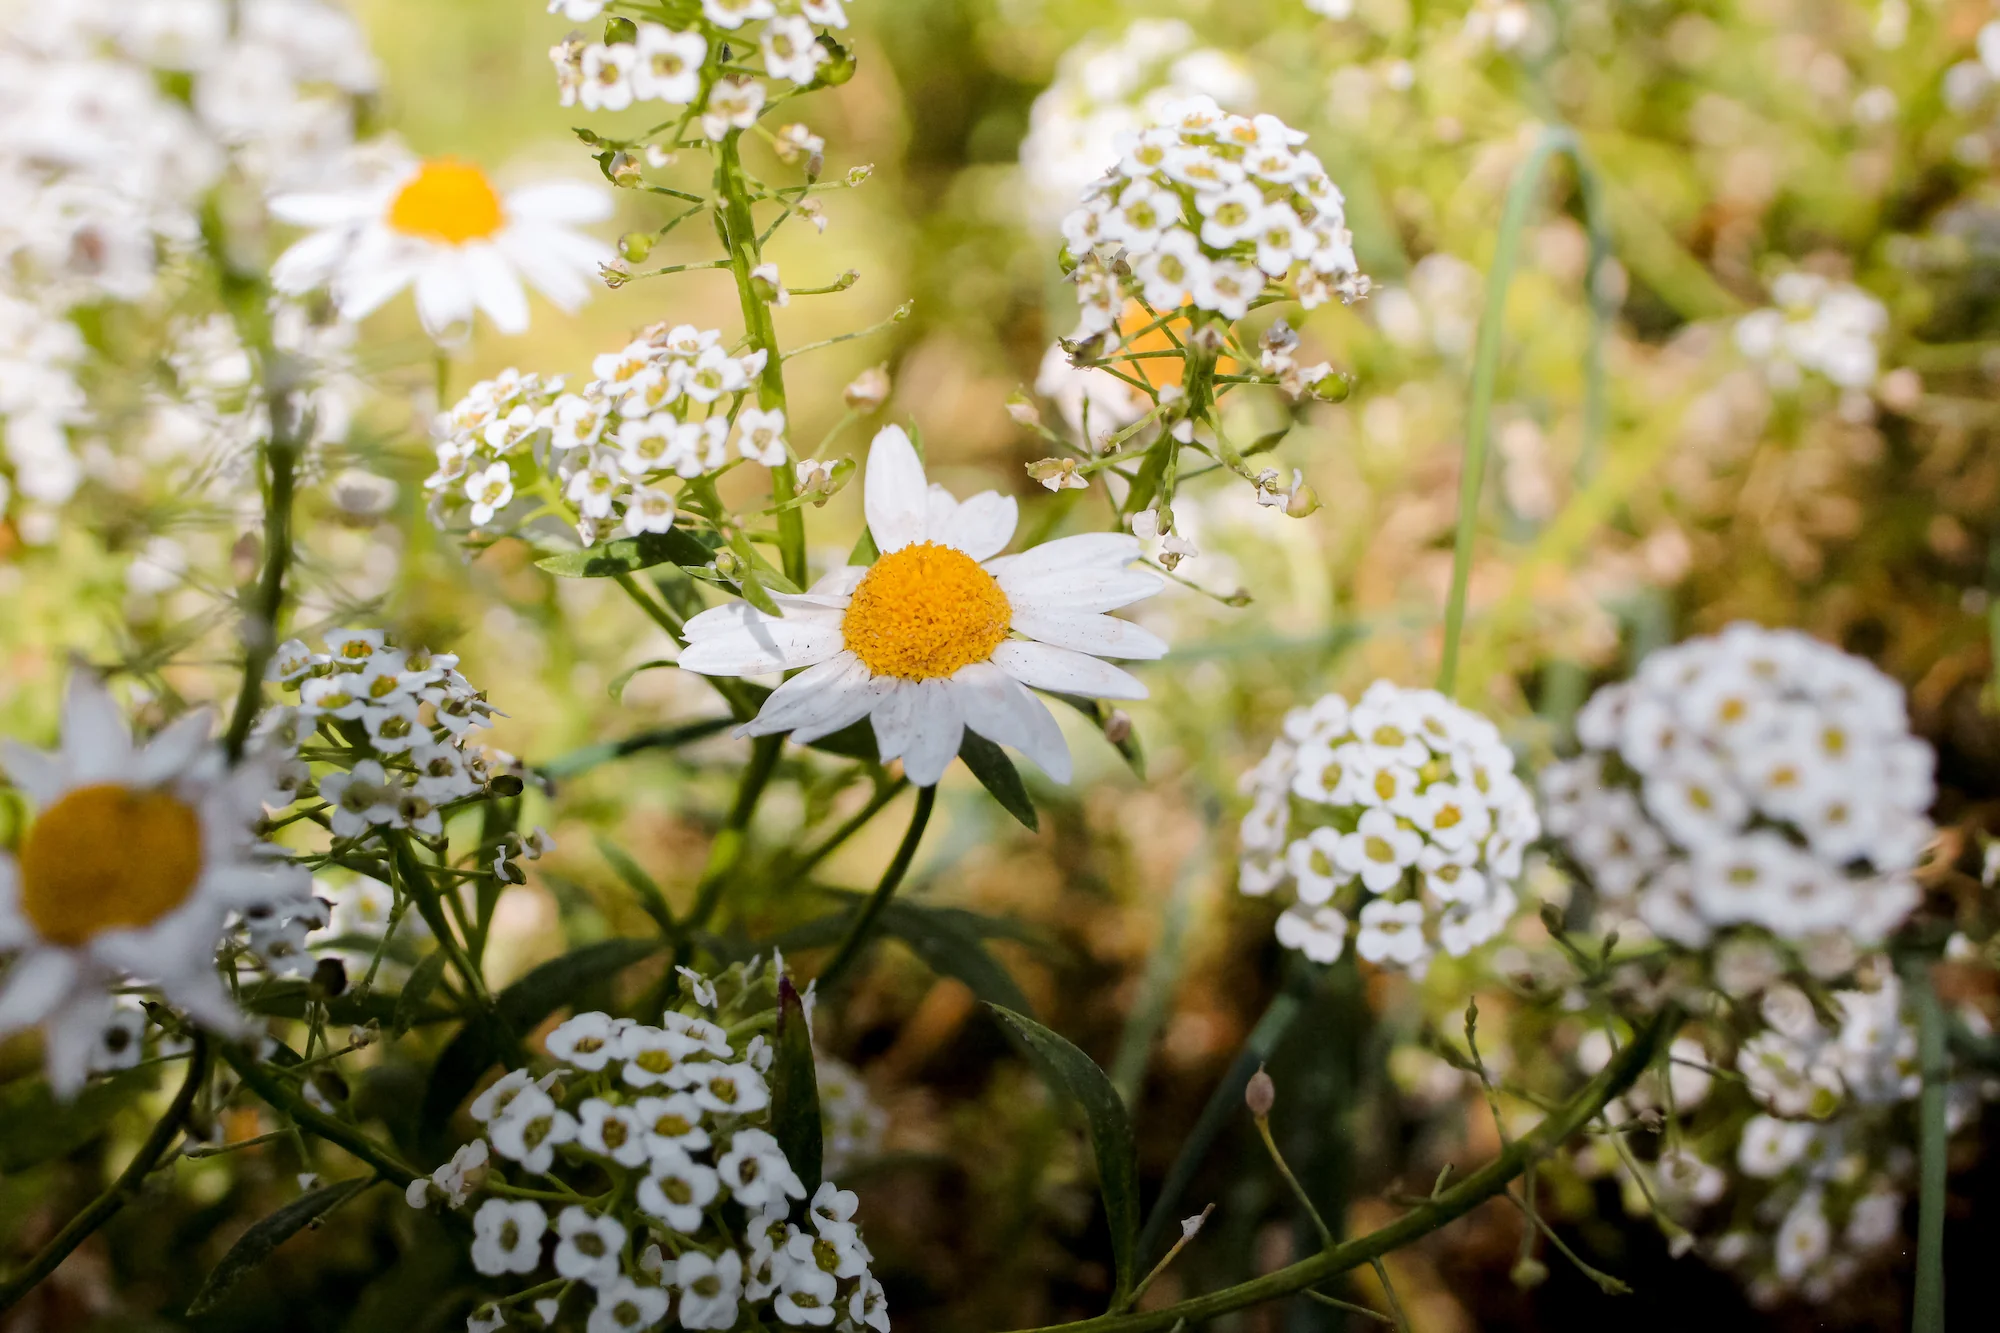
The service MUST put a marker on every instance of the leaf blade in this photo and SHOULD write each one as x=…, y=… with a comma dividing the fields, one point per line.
x=628, y=555
x=996, y=772
x=256, y=1245
x=795, y=1111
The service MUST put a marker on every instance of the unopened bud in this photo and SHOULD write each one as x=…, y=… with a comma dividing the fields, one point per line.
x=856, y=175
x=620, y=32
x=614, y=275
x=1020, y=407
x=1065, y=261
x=1552, y=918
x=658, y=158
x=624, y=170
x=1333, y=388
x=1058, y=474
x=869, y=390
x=636, y=245
x=1260, y=1094
x=329, y=978
x=1118, y=727
x=838, y=67
x=1304, y=501
x=1529, y=1273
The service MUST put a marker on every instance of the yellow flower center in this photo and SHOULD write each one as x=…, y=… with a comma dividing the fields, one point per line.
x=448, y=200
x=924, y=612
x=108, y=857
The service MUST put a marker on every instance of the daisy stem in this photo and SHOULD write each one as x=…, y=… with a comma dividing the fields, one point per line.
x=892, y=878
x=101, y=1209
x=1486, y=1183
x=727, y=850
x=883, y=795
x=739, y=234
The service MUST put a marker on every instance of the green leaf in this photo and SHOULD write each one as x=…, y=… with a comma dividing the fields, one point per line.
x=36, y=1128
x=996, y=772
x=628, y=555
x=1070, y=1071
x=256, y=1244
x=651, y=897
x=795, y=1115
x=947, y=940
x=865, y=551
x=624, y=678
x=423, y=979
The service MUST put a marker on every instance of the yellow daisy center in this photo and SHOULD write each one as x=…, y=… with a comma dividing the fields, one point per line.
x=108, y=857
x=924, y=612
x=449, y=200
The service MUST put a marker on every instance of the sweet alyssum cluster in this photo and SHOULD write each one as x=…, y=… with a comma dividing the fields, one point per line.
x=1757, y=778
x=1400, y=812
x=686, y=1210
x=1209, y=209
x=1832, y=329
x=665, y=407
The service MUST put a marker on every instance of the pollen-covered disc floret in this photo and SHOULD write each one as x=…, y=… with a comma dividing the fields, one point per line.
x=1209, y=209
x=654, y=414
x=942, y=634
x=1398, y=819
x=137, y=858
x=1756, y=778
x=688, y=1211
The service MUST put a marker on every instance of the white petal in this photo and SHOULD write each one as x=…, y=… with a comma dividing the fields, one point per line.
x=97, y=744
x=496, y=288
x=938, y=733
x=772, y=645
x=857, y=701
x=563, y=284
x=560, y=201
x=327, y=210
x=895, y=494
x=839, y=582
x=35, y=772
x=1078, y=591
x=1114, y=549
x=940, y=505
x=895, y=716
x=70, y=1039
x=1104, y=636
x=981, y=527
x=444, y=296
x=1065, y=672
x=37, y=985
x=310, y=262
x=812, y=696
x=375, y=271
x=999, y=708
x=168, y=754
x=738, y=616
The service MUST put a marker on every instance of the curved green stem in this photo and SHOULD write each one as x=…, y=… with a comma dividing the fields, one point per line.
x=1486, y=361
x=130, y=1180
x=1927, y=1307
x=864, y=924
x=1486, y=1183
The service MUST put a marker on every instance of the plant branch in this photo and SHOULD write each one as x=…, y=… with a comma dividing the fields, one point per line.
x=864, y=924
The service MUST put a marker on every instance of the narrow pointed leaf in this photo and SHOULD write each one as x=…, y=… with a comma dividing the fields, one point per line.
x=628, y=555
x=257, y=1244
x=650, y=895
x=423, y=979
x=996, y=772
x=795, y=1113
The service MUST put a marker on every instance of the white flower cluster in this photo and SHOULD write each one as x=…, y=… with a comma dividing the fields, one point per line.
x=1209, y=209
x=412, y=712
x=104, y=171
x=1757, y=777
x=851, y=1121
x=1801, y=1189
x=1401, y=812
x=1104, y=89
x=668, y=405
x=1832, y=329
x=684, y=67
x=698, y=1230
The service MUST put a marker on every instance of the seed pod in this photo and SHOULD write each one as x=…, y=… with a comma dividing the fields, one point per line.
x=1260, y=1094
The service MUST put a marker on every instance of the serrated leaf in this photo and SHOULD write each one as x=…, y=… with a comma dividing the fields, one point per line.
x=996, y=772
x=417, y=988
x=36, y=1128
x=254, y=1246
x=1070, y=1071
x=795, y=1113
x=650, y=895
x=629, y=555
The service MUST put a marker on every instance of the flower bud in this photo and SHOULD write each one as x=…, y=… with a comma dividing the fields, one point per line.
x=613, y=275
x=869, y=390
x=1303, y=502
x=329, y=978
x=620, y=32
x=1334, y=388
x=1022, y=408
x=729, y=565
x=1260, y=1094
x=1118, y=727
x=1529, y=1273
x=635, y=246
x=856, y=175
x=838, y=67
x=624, y=170
x=1058, y=474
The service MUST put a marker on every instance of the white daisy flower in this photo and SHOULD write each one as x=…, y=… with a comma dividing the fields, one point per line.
x=441, y=226
x=920, y=642
x=137, y=854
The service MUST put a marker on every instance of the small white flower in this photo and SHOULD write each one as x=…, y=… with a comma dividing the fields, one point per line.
x=617, y=1132
x=791, y=51
x=588, y=1041
x=757, y=1172
x=490, y=490
x=676, y=1190
x=587, y=1247
x=531, y=1129
x=710, y=1289
x=1378, y=851
x=667, y=65
x=1392, y=932
x=736, y=13
x=623, y=1305
x=732, y=104
x=672, y=1124
x=507, y=1236
x=734, y=1089
x=807, y=1297
x=760, y=436
x=654, y=1057
x=1320, y=934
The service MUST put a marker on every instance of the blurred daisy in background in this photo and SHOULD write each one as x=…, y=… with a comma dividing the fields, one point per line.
x=939, y=636
x=440, y=225
x=137, y=855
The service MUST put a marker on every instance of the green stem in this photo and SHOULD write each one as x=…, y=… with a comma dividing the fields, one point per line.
x=1483, y=1184
x=884, y=794
x=739, y=233
x=260, y=625
x=1927, y=1309
x=130, y=1180
x=422, y=890
x=727, y=850
x=1486, y=363
x=864, y=924
x=308, y=1117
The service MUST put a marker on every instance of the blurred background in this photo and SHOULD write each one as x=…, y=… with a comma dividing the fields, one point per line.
x=1729, y=144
